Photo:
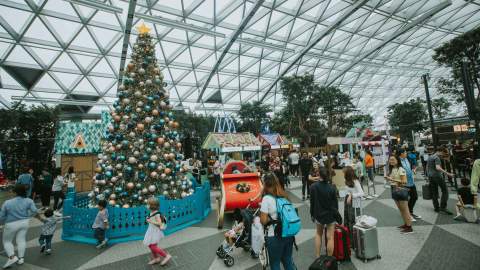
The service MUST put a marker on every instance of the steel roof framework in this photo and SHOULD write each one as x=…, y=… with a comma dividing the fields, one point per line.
x=84, y=58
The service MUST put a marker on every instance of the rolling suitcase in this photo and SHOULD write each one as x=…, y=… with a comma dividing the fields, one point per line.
x=324, y=263
x=426, y=194
x=366, y=243
x=341, y=238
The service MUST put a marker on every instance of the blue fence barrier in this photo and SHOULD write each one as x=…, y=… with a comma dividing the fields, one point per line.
x=129, y=224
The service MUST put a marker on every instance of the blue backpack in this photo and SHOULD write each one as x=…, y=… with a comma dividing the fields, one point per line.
x=288, y=222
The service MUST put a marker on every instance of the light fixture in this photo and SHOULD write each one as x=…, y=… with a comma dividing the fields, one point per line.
x=262, y=44
x=62, y=101
x=96, y=5
x=178, y=25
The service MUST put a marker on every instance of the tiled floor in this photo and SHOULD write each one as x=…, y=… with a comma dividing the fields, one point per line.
x=438, y=243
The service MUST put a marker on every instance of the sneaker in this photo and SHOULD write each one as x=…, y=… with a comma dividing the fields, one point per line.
x=416, y=216
x=42, y=248
x=10, y=262
x=48, y=251
x=413, y=219
x=407, y=230
x=20, y=261
x=166, y=259
x=102, y=244
x=446, y=212
x=376, y=195
x=402, y=227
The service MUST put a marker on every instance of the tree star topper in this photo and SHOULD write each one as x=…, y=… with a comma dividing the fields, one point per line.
x=143, y=29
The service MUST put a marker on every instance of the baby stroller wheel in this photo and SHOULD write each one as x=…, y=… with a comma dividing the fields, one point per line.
x=229, y=261
x=221, y=252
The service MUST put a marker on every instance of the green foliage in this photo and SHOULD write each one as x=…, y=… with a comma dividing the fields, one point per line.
x=27, y=136
x=195, y=125
x=252, y=115
x=451, y=55
x=407, y=117
x=440, y=107
x=335, y=106
x=357, y=118
x=312, y=111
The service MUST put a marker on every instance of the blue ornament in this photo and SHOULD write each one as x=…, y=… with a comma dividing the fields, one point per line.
x=113, y=156
x=161, y=122
x=119, y=137
x=150, y=99
x=109, y=174
x=148, y=150
x=170, y=114
x=122, y=158
x=156, y=96
x=128, y=109
x=177, y=167
x=107, y=191
x=151, y=143
x=141, y=175
x=145, y=157
x=125, y=142
x=152, y=165
x=118, y=189
x=110, y=137
x=99, y=176
x=153, y=137
x=147, y=108
x=135, y=196
x=162, y=114
x=129, y=169
x=124, y=194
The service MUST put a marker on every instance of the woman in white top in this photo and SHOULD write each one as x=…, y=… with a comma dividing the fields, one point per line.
x=279, y=248
x=353, y=198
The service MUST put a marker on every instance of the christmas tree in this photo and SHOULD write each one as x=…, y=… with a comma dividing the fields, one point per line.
x=141, y=154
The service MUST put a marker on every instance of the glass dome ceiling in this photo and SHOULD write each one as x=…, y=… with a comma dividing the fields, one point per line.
x=217, y=54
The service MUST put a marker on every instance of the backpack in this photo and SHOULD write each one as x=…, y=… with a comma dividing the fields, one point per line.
x=288, y=222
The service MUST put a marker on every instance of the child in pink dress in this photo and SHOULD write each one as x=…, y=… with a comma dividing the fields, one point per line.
x=156, y=225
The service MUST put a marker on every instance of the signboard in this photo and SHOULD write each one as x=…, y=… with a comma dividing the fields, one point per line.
x=231, y=149
x=252, y=148
x=460, y=128
x=276, y=146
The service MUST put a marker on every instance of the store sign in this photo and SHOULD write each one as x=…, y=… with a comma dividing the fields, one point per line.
x=231, y=149
x=460, y=128
x=252, y=148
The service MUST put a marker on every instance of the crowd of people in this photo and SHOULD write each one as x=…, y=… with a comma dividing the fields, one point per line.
x=277, y=173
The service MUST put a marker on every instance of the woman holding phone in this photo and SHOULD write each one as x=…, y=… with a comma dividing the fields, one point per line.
x=397, y=177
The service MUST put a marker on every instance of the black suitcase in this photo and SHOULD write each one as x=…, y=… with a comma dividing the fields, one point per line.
x=324, y=263
x=426, y=194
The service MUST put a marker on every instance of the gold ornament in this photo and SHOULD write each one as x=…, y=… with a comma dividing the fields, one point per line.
x=143, y=29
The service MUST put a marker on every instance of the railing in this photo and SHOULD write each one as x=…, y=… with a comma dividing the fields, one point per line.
x=128, y=224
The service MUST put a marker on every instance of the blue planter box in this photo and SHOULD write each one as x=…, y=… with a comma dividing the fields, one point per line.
x=128, y=224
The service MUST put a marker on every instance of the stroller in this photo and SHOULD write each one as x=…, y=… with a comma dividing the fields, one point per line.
x=243, y=240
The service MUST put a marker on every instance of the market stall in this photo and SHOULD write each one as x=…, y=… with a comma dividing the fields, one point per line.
x=272, y=143
x=232, y=146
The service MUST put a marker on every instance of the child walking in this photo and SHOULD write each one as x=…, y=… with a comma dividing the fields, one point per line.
x=101, y=224
x=48, y=229
x=156, y=225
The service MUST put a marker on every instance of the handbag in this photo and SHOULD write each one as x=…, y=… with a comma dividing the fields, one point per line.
x=400, y=193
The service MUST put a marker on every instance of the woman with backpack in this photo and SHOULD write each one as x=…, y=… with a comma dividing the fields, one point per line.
x=279, y=248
